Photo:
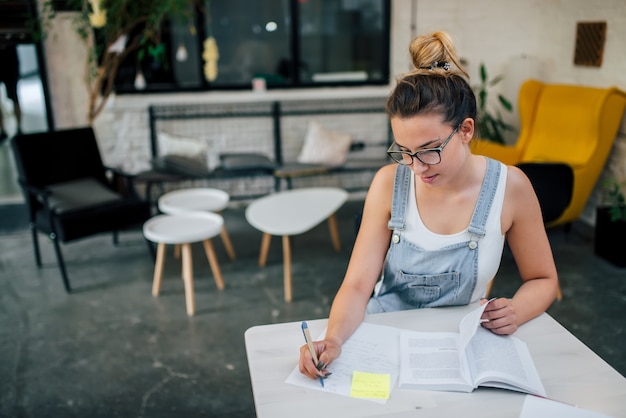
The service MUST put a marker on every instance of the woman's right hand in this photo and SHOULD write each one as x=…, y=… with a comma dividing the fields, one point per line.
x=326, y=351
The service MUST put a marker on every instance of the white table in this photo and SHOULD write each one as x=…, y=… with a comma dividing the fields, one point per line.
x=569, y=370
x=294, y=212
x=202, y=199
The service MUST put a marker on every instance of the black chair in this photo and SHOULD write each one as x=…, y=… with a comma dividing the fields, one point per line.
x=554, y=186
x=69, y=192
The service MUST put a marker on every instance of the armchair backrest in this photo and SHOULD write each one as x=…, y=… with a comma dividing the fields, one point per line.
x=568, y=124
x=54, y=157
x=528, y=97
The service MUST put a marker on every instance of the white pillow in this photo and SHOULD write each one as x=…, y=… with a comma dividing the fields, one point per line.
x=322, y=146
x=178, y=145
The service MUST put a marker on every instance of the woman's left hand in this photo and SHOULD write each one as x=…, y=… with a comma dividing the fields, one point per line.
x=499, y=316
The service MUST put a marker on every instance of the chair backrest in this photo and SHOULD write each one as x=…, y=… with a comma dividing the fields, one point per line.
x=47, y=158
x=529, y=94
x=566, y=125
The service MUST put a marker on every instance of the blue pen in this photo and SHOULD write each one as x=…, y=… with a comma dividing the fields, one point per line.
x=309, y=342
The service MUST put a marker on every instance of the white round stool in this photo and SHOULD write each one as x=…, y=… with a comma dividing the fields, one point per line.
x=198, y=199
x=183, y=229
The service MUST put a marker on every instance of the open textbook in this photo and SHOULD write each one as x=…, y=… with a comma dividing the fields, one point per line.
x=466, y=360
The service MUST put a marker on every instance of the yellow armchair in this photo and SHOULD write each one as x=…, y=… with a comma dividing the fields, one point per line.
x=566, y=124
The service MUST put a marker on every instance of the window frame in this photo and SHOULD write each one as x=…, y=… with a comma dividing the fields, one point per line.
x=123, y=84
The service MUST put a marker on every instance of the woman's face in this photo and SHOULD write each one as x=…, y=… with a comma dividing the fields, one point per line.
x=434, y=144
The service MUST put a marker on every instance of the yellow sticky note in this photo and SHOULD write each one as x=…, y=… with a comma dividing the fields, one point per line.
x=370, y=385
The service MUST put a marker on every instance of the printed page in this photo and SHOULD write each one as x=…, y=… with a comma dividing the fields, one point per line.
x=467, y=329
x=431, y=361
x=372, y=349
x=502, y=361
x=468, y=326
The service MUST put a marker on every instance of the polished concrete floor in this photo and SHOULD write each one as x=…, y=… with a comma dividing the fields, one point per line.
x=112, y=350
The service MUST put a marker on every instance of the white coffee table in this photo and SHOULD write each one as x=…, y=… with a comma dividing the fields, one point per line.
x=198, y=199
x=294, y=212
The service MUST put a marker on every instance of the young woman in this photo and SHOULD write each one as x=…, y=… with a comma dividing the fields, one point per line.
x=435, y=223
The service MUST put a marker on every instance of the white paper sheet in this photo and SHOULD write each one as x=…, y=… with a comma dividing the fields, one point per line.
x=372, y=348
x=536, y=407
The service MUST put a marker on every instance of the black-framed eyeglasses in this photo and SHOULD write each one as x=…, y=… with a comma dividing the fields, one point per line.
x=428, y=156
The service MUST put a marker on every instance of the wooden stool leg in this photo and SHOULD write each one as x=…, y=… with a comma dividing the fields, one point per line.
x=287, y=267
x=188, y=279
x=265, y=248
x=177, y=251
x=215, y=267
x=227, y=244
x=334, y=233
x=158, y=269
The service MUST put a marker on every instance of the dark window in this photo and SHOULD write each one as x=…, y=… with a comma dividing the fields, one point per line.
x=288, y=43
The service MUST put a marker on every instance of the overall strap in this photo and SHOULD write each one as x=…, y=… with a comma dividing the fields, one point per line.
x=487, y=193
x=400, y=197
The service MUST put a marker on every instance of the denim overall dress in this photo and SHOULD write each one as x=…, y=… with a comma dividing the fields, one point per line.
x=417, y=278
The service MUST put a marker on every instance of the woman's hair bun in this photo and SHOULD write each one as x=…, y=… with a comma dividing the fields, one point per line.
x=435, y=52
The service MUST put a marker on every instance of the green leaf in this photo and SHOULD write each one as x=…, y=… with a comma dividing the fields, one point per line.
x=482, y=99
x=616, y=213
x=613, y=196
x=496, y=80
x=483, y=73
x=156, y=51
x=505, y=103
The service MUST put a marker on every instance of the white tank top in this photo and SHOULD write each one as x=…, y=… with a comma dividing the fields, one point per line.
x=491, y=245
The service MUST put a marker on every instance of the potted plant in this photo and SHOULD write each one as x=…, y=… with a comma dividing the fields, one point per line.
x=611, y=223
x=490, y=124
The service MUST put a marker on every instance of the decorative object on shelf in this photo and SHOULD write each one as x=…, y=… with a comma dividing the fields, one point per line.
x=98, y=18
x=152, y=60
x=610, y=226
x=210, y=56
x=490, y=125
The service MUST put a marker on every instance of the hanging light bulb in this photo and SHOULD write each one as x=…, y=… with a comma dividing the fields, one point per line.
x=181, y=53
x=140, y=80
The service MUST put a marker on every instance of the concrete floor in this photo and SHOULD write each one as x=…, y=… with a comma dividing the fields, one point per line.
x=112, y=350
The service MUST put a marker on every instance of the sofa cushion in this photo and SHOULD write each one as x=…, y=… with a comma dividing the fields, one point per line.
x=322, y=146
x=246, y=162
x=80, y=194
x=181, y=164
